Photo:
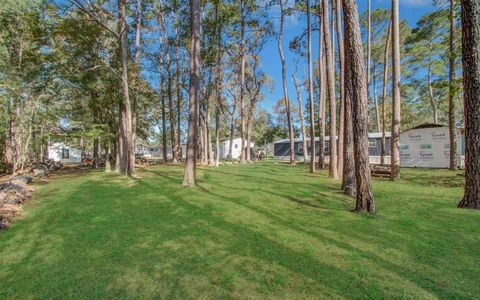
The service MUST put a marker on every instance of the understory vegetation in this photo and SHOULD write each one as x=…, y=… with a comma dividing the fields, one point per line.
x=264, y=230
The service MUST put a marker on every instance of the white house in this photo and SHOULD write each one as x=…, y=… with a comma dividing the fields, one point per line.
x=428, y=146
x=236, y=148
x=64, y=153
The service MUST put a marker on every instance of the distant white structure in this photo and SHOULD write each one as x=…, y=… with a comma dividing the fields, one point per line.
x=282, y=148
x=428, y=146
x=236, y=148
x=64, y=153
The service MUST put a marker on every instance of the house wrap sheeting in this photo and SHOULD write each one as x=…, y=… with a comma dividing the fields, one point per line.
x=428, y=146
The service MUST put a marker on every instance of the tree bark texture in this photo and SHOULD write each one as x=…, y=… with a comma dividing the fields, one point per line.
x=189, y=177
x=330, y=91
x=471, y=88
x=354, y=51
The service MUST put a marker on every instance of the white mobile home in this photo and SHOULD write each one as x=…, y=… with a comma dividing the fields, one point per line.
x=282, y=148
x=236, y=148
x=428, y=146
x=64, y=153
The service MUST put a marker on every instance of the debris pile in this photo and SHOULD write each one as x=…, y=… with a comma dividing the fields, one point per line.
x=145, y=162
x=17, y=190
x=13, y=194
x=40, y=169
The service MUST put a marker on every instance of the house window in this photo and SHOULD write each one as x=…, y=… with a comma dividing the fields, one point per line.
x=300, y=148
x=372, y=143
x=327, y=146
x=236, y=146
x=65, y=154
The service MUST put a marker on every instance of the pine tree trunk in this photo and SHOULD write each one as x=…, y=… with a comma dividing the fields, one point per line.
x=217, y=137
x=136, y=77
x=348, y=180
x=353, y=44
x=242, y=82
x=471, y=87
x=302, y=119
x=321, y=93
x=108, y=166
x=232, y=133
x=95, y=113
x=341, y=59
x=125, y=138
x=375, y=99
x=171, y=111
x=430, y=88
x=369, y=46
x=451, y=90
x=396, y=105
x=291, y=134
x=310, y=99
x=218, y=86
x=208, y=134
x=161, y=89
x=179, y=95
x=330, y=91
x=384, y=94
x=189, y=177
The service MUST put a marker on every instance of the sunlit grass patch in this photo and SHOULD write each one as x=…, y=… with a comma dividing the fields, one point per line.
x=265, y=230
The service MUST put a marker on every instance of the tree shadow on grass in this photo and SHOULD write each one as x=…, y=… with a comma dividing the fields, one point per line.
x=426, y=283
x=108, y=240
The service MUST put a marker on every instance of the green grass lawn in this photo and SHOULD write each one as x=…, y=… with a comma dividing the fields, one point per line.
x=265, y=230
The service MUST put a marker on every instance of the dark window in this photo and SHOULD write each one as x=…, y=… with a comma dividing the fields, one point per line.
x=65, y=154
x=236, y=146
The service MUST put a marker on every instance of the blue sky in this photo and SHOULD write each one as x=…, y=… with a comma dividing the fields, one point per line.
x=410, y=10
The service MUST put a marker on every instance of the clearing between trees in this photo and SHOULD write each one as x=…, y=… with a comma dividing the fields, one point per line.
x=264, y=230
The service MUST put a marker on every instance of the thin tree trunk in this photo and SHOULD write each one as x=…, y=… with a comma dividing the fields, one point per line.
x=302, y=120
x=108, y=167
x=136, y=76
x=353, y=40
x=430, y=88
x=208, y=134
x=232, y=133
x=218, y=86
x=242, y=81
x=24, y=153
x=202, y=144
x=369, y=46
x=161, y=93
x=384, y=93
x=217, y=137
x=310, y=98
x=451, y=90
x=96, y=156
x=375, y=99
x=341, y=59
x=291, y=134
x=171, y=111
x=321, y=93
x=179, y=95
x=471, y=84
x=330, y=92
x=395, y=138
x=189, y=178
